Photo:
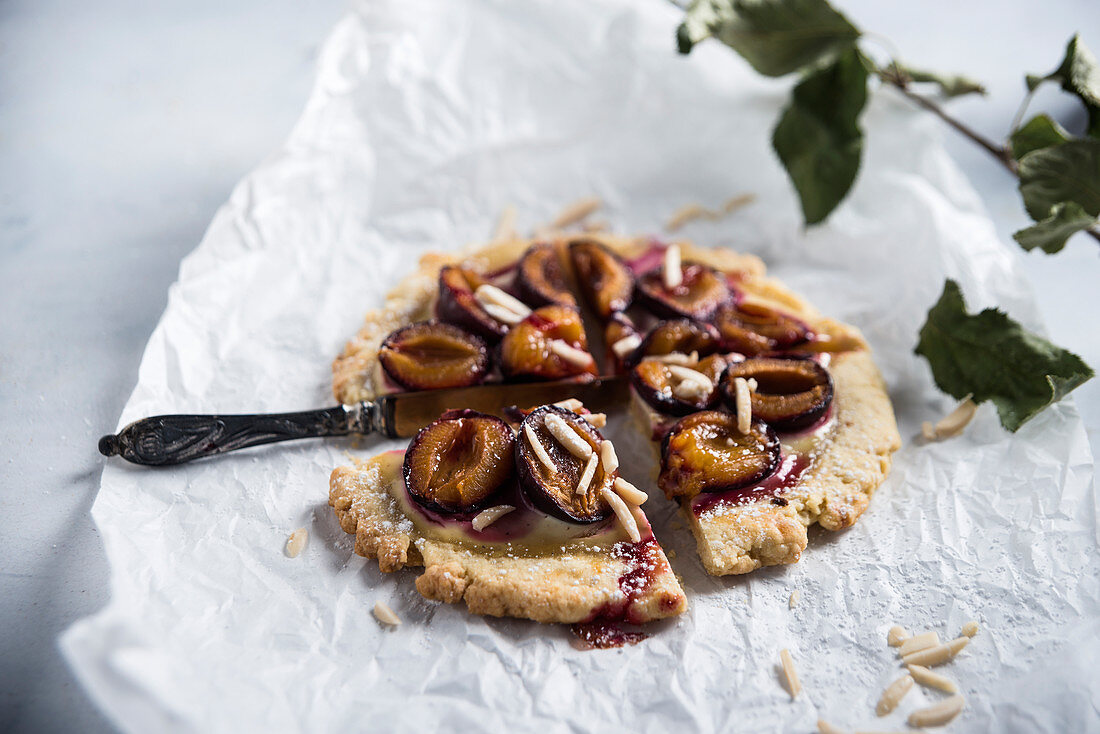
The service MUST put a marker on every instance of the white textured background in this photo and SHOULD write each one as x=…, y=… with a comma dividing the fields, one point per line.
x=122, y=128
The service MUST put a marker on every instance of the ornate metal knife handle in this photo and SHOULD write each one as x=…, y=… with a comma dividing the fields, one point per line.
x=174, y=439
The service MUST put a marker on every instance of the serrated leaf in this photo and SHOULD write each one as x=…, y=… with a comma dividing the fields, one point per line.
x=1050, y=235
x=1079, y=74
x=776, y=37
x=818, y=138
x=992, y=357
x=1063, y=173
x=952, y=85
x=1039, y=132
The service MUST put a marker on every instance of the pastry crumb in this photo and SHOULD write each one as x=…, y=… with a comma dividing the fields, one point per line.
x=793, y=599
x=970, y=629
x=296, y=542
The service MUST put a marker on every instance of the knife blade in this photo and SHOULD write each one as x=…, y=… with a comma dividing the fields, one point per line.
x=164, y=440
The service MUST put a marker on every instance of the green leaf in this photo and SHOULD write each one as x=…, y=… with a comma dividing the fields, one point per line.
x=776, y=36
x=1062, y=173
x=818, y=138
x=1039, y=132
x=991, y=357
x=1050, y=235
x=1079, y=74
x=952, y=85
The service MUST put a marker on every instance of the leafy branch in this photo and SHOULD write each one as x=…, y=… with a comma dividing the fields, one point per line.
x=819, y=141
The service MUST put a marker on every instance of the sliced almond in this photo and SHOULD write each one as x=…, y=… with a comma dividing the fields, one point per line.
x=567, y=437
x=954, y=422
x=296, y=543
x=491, y=295
x=744, y=404
x=608, y=457
x=737, y=202
x=685, y=214
x=893, y=694
x=926, y=677
x=502, y=314
x=939, y=714
x=673, y=271
x=679, y=358
x=385, y=615
x=897, y=635
x=538, y=448
x=939, y=655
x=922, y=641
x=570, y=404
x=589, y=472
x=626, y=345
x=970, y=629
x=686, y=374
x=631, y=494
x=790, y=675
x=576, y=212
x=824, y=727
x=490, y=515
x=623, y=513
x=596, y=420
x=570, y=354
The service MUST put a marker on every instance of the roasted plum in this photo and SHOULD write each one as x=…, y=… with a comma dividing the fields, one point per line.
x=549, y=470
x=460, y=461
x=430, y=355
x=682, y=336
x=458, y=305
x=550, y=344
x=699, y=294
x=603, y=277
x=751, y=329
x=790, y=394
x=675, y=389
x=540, y=277
x=705, y=452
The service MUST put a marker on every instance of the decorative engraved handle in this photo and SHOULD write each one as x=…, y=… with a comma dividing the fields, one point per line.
x=174, y=439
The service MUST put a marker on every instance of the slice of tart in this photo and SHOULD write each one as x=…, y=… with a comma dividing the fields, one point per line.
x=528, y=520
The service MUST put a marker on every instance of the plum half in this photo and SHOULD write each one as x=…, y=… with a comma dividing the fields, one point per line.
x=682, y=336
x=677, y=389
x=550, y=344
x=457, y=304
x=459, y=461
x=790, y=393
x=705, y=452
x=604, y=279
x=751, y=329
x=430, y=355
x=701, y=291
x=550, y=472
x=540, y=277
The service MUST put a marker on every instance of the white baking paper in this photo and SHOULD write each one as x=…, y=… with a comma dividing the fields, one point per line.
x=427, y=119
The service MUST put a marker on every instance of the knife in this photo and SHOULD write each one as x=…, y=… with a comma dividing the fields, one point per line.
x=174, y=439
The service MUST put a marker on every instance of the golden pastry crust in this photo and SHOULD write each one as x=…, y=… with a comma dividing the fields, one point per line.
x=573, y=584
x=834, y=491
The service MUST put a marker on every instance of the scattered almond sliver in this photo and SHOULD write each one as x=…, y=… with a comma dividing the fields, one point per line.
x=953, y=423
x=567, y=437
x=578, y=211
x=502, y=314
x=939, y=714
x=623, y=513
x=538, y=448
x=296, y=542
x=893, y=694
x=490, y=295
x=608, y=457
x=385, y=615
x=789, y=673
x=686, y=374
x=571, y=404
x=672, y=271
x=490, y=515
x=926, y=677
x=793, y=598
x=676, y=358
x=570, y=354
x=691, y=212
x=589, y=472
x=922, y=641
x=934, y=656
x=626, y=345
x=824, y=727
x=631, y=494
x=744, y=404
x=897, y=635
x=970, y=629
x=597, y=420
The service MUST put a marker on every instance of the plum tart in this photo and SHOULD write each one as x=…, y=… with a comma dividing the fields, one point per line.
x=526, y=520
x=765, y=417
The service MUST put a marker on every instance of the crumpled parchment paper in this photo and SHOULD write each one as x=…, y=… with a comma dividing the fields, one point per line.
x=427, y=119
